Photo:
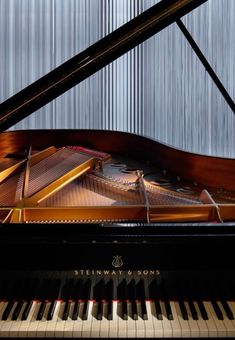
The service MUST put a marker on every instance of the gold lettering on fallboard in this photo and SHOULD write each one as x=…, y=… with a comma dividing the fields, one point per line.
x=108, y=272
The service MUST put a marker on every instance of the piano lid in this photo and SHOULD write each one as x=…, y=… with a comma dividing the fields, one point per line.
x=92, y=59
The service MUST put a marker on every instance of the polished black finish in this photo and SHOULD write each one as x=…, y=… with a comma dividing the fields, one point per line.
x=92, y=59
x=159, y=246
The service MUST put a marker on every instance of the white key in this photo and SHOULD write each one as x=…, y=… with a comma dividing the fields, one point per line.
x=59, y=327
x=167, y=329
x=232, y=307
x=203, y=329
x=113, y=329
x=3, y=305
x=95, y=325
x=104, y=326
x=210, y=322
x=69, y=324
x=77, y=328
x=51, y=324
x=230, y=329
x=219, y=323
x=148, y=324
x=194, y=329
x=86, y=327
x=15, y=327
x=140, y=323
x=6, y=325
x=131, y=324
x=186, y=332
x=175, y=324
x=42, y=324
x=157, y=324
x=23, y=330
x=122, y=325
x=33, y=325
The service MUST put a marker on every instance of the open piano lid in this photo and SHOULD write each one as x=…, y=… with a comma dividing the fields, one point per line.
x=93, y=59
x=89, y=176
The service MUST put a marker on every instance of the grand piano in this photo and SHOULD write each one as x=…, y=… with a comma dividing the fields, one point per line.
x=111, y=234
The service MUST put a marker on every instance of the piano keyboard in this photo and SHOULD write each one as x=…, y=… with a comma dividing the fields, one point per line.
x=74, y=308
x=160, y=319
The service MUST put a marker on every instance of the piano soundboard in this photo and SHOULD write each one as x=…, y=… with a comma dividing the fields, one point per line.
x=79, y=184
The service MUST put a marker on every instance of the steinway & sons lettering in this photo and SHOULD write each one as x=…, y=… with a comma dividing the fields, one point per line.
x=103, y=272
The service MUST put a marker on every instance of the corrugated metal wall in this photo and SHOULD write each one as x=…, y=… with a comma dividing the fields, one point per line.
x=159, y=89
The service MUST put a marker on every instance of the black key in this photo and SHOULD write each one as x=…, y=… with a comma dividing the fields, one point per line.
x=66, y=295
x=41, y=310
x=108, y=296
x=98, y=296
x=193, y=310
x=13, y=295
x=140, y=296
x=164, y=292
x=26, y=311
x=24, y=294
x=183, y=310
x=7, y=310
x=217, y=310
x=168, y=310
x=131, y=295
x=155, y=294
x=202, y=310
x=122, y=297
x=41, y=296
x=158, y=310
x=66, y=310
x=17, y=310
x=85, y=310
x=144, y=314
x=51, y=310
x=134, y=313
x=110, y=310
x=86, y=291
x=99, y=310
x=29, y=294
x=227, y=310
x=76, y=296
x=124, y=310
x=53, y=293
x=75, y=310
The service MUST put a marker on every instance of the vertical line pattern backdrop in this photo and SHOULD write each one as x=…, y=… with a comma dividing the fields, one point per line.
x=159, y=89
